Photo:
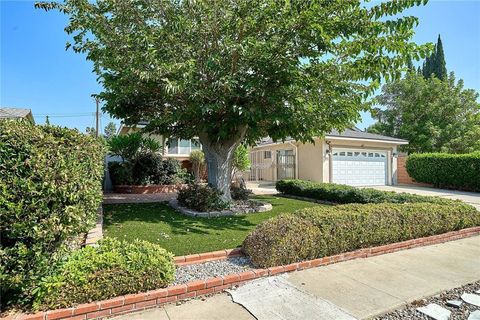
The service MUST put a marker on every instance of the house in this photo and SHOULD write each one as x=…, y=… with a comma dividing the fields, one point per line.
x=16, y=113
x=351, y=157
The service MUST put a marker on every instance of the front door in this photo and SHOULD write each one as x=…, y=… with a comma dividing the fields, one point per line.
x=285, y=164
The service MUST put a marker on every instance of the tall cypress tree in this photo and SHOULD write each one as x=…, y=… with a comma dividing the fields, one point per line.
x=435, y=63
x=440, y=68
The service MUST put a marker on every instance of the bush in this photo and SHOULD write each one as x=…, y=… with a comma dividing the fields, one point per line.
x=201, y=198
x=339, y=193
x=111, y=269
x=50, y=190
x=120, y=173
x=457, y=171
x=240, y=193
x=323, y=231
x=147, y=168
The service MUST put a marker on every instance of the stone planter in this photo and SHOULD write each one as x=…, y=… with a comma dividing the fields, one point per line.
x=152, y=188
x=262, y=207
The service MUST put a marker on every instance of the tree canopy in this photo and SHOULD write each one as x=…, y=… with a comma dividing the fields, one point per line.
x=280, y=68
x=238, y=70
x=433, y=115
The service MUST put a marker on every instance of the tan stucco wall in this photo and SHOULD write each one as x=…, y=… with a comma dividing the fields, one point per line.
x=310, y=161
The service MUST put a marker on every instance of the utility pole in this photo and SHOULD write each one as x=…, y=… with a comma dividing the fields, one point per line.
x=97, y=117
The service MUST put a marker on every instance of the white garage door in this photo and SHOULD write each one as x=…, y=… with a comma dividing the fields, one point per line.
x=359, y=167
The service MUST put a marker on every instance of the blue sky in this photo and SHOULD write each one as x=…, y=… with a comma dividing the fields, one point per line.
x=37, y=72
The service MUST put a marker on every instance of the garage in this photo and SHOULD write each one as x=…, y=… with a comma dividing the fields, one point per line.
x=359, y=167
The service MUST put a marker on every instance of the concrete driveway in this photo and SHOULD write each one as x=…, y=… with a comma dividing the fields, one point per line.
x=471, y=198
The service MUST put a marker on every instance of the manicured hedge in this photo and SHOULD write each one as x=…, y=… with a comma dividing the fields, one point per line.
x=458, y=171
x=323, y=231
x=50, y=190
x=339, y=193
x=112, y=269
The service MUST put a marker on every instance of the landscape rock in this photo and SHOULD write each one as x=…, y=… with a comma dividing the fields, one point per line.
x=471, y=298
x=475, y=315
x=435, y=311
x=454, y=303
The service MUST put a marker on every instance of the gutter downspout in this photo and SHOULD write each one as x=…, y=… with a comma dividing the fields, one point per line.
x=330, y=162
x=296, y=158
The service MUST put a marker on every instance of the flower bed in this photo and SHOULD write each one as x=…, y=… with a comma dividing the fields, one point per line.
x=150, y=299
x=148, y=189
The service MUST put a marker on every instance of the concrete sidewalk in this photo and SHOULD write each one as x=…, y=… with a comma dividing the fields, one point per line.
x=362, y=287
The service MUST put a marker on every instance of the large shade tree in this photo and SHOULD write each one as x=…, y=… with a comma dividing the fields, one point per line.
x=229, y=71
x=433, y=115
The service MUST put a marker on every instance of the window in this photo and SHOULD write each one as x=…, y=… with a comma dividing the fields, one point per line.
x=182, y=146
x=267, y=154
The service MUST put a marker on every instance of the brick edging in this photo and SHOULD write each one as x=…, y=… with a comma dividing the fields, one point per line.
x=207, y=256
x=140, y=301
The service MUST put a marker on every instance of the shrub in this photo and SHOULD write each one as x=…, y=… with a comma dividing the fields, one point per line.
x=322, y=231
x=120, y=173
x=239, y=192
x=111, y=269
x=147, y=168
x=50, y=190
x=201, y=198
x=131, y=146
x=171, y=172
x=197, y=158
x=458, y=171
x=339, y=193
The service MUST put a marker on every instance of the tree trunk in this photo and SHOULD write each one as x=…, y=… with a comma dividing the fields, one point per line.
x=218, y=156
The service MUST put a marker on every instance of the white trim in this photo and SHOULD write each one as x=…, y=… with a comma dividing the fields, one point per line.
x=366, y=140
x=336, y=138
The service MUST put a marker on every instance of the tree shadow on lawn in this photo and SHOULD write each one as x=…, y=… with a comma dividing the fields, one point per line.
x=180, y=224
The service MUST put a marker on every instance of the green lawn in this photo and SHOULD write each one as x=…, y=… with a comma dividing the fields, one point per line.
x=180, y=234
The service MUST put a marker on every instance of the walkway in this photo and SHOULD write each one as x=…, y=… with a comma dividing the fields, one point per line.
x=471, y=198
x=361, y=288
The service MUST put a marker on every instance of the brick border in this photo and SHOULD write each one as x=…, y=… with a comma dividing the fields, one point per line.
x=150, y=299
x=207, y=256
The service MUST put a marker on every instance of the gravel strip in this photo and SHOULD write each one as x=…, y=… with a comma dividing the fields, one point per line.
x=212, y=269
x=461, y=313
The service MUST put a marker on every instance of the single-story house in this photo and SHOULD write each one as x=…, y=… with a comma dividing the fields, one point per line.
x=351, y=157
x=16, y=113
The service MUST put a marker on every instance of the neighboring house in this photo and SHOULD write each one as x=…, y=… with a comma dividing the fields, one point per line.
x=351, y=157
x=16, y=113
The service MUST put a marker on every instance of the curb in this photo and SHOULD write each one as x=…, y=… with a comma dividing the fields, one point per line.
x=155, y=298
